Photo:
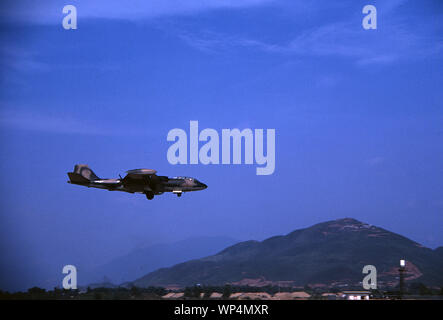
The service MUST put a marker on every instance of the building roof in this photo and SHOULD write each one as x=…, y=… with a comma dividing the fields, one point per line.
x=291, y=295
x=357, y=292
x=251, y=295
x=173, y=295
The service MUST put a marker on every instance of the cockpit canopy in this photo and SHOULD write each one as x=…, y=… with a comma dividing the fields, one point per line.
x=185, y=178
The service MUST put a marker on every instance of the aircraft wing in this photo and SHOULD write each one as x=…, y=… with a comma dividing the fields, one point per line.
x=138, y=174
x=107, y=182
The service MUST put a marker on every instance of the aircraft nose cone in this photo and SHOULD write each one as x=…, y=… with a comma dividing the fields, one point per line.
x=204, y=186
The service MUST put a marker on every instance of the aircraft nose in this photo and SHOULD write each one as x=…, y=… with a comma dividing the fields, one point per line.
x=203, y=185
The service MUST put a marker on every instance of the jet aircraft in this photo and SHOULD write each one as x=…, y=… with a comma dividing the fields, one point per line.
x=136, y=181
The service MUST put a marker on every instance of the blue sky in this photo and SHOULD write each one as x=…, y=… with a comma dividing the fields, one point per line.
x=358, y=119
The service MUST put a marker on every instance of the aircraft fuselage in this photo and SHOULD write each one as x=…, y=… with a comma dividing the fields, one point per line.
x=136, y=181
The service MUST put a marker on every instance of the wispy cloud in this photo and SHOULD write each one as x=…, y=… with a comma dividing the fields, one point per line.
x=378, y=59
x=63, y=124
x=397, y=38
x=343, y=40
x=49, y=11
x=20, y=60
x=45, y=123
x=210, y=41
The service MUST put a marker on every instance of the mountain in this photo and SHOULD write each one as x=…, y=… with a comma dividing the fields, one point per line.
x=146, y=259
x=326, y=254
x=439, y=251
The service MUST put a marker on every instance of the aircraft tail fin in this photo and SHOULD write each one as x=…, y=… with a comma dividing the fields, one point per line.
x=82, y=174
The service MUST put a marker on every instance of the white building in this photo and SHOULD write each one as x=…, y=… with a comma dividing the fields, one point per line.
x=356, y=295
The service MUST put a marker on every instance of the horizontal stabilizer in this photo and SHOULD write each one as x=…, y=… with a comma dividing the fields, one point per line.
x=77, y=178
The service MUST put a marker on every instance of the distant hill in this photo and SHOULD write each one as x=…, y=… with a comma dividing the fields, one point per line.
x=146, y=259
x=326, y=254
x=439, y=251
